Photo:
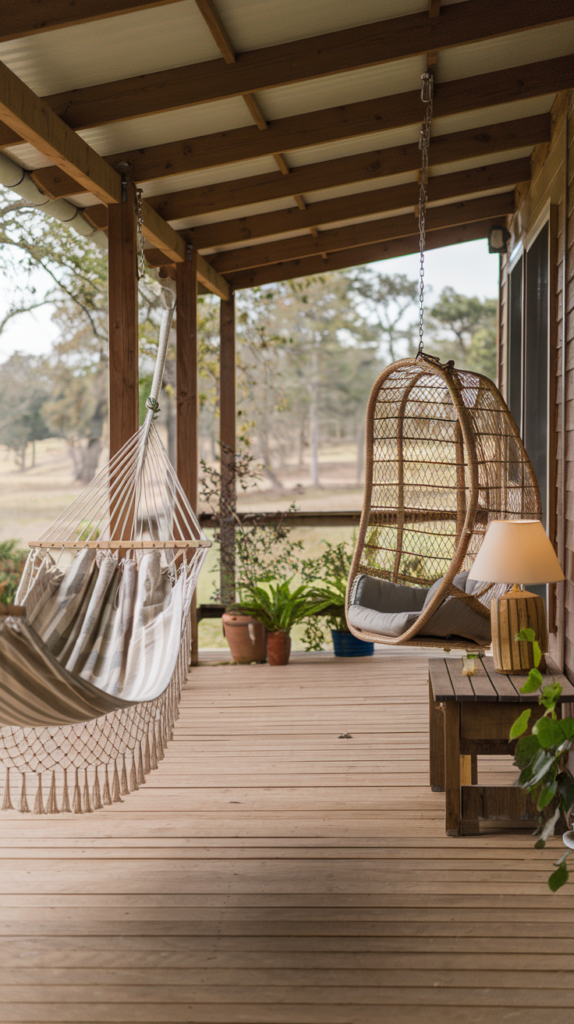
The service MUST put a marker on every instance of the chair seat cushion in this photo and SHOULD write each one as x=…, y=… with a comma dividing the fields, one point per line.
x=389, y=609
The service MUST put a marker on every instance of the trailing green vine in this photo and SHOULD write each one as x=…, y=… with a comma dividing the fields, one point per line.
x=542, y=757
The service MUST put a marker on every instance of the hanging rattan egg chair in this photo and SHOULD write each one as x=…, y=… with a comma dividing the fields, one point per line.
x=444, y=458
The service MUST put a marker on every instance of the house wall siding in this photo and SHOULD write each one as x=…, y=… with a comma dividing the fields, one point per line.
x=547, y=195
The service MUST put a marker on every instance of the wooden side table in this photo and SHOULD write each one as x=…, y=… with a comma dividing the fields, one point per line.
x=472, y=715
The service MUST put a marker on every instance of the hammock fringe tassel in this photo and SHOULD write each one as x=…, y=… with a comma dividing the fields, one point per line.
x=105, y=781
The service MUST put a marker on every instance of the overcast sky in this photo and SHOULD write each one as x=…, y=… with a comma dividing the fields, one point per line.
x=468, y=268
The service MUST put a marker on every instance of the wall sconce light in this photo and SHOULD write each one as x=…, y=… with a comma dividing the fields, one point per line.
x=498, y=238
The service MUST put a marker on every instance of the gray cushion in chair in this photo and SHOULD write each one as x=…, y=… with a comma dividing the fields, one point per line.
x=378, y=606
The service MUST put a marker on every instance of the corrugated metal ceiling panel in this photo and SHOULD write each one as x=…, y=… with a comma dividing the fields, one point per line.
x=252, y=24
x=113, y=48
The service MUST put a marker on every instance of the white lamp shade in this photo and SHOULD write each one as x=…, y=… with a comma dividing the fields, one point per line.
x=516, y=551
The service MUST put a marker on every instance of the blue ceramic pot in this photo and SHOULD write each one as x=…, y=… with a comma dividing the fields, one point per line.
x=348, y=646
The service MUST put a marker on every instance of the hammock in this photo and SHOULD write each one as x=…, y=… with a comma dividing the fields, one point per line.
x=95, y=651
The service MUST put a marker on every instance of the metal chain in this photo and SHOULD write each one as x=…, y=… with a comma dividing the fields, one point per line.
x=141, y=240
x=426, y=97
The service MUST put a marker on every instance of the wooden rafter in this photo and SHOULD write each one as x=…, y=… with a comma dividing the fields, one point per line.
x=35, y=122
x=269, y=67
x=355, y=257
x=445, y=149
x=333, y=124
x=215, y=25
x=299, y=246
x=29, y=17
x=361, y=204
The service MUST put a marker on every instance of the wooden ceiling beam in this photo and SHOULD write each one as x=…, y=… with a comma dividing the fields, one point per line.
x=29, y=17
x=348, y=49
x=356, y=257
x=300, y=246
x=361, y=204
x=471, y=143
x=35, y=122
x=215, y=25
x=333, y=124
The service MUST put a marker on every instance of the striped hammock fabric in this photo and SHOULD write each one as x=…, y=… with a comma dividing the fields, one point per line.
x=90, y=674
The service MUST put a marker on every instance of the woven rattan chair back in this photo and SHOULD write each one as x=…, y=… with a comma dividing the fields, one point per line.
x=444, y=458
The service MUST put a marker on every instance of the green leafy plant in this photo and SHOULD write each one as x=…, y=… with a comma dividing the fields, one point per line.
x=12, y=561
x=542, y=757
x=262, y=548
x=277, y=605
x=328, y=574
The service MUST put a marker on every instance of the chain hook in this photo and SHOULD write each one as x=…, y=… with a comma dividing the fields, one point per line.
x=424, y=143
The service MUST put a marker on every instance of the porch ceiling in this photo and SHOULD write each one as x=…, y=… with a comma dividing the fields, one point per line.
x=279, y=131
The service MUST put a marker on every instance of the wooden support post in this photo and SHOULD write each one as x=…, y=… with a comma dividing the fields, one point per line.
x=123, y=320
x=227, y=444
x=187, y=397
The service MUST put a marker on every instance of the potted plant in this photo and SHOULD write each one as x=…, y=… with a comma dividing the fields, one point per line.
x=329, y=574
x=279, y=607
x=251, y=549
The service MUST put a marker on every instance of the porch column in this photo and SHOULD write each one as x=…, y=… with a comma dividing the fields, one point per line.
x=123, y=320
x=187, y=396
x=227, y=445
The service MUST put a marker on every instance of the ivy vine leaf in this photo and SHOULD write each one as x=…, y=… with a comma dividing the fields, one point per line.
x=566, y=790
x=526, y=634
x=567, y=726
x=526, y=749
x=550, y=696
x=547, y=794
x=541, y=766
x=520, y=725
x=548, y=732
x=534, y=681
x=558, y=878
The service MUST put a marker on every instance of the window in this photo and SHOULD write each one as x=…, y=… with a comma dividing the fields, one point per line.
x=528, y=354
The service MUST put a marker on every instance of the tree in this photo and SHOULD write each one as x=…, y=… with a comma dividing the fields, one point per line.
x=25, y=387
x=389, y=301
x=470, y=326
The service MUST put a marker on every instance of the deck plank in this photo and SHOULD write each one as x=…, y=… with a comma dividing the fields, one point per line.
x=270, y=872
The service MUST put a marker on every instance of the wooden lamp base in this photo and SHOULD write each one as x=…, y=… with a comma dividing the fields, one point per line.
x=519, y=609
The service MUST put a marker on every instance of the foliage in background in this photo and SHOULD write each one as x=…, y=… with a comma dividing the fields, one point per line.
x=328, y=574
x=470, y=326
x=308, y=350
x=542, y=757
x=12, y=561
x=263, y=549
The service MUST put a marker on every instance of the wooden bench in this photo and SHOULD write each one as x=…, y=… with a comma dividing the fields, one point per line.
x=472, y=715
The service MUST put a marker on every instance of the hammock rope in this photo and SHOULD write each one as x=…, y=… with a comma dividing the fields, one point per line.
x=91, y=675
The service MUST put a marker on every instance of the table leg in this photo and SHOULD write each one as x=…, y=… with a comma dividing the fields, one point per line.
x=436, y=744
x=466, y=769
x=452, y=767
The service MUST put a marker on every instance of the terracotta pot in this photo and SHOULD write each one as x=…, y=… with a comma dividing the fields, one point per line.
x=278, y=647
x=246, y=637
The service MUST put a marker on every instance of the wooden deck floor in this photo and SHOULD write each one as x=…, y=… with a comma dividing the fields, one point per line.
x=271, y=872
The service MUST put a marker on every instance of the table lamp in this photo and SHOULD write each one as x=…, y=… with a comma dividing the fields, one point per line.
x=518, y=552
